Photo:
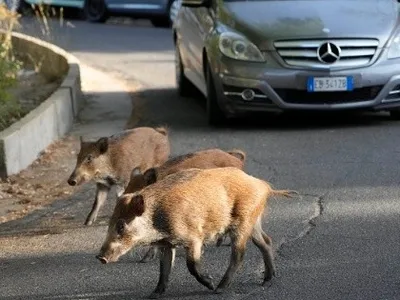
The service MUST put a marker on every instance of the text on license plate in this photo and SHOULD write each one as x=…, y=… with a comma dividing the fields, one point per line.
x=329, y=84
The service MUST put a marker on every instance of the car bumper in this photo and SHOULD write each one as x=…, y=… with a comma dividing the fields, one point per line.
x=279, y=89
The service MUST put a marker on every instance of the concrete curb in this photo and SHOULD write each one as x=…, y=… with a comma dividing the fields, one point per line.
x=22, y=142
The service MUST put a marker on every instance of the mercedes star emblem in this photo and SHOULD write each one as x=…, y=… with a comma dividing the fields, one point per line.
x=328, y=53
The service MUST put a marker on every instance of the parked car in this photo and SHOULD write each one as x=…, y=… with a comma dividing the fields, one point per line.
x=160, y=12
x=275, y=55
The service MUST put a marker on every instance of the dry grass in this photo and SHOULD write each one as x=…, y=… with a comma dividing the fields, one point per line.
x=11, y=109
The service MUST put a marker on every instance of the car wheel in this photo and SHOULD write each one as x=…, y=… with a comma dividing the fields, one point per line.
x=185, y=87
x=95, y=11
x=163, y=22
x=215, y=115
x=174, y=9
x=172, y=12
x=395, y=114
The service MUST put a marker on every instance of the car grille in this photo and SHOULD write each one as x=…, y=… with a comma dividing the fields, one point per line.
x=304, y=97
x=303, y=53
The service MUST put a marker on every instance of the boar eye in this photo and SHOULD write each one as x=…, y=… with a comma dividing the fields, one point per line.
x=89, y=158
x=120, y=227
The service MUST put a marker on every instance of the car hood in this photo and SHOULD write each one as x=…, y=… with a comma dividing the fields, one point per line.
x=265, y=21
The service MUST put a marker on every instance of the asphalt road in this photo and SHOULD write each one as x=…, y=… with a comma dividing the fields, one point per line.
x=339, y=240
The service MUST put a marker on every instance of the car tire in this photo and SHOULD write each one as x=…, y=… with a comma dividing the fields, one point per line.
x=184, y=86
x=215, y=116
x=173, y=9
x=95, y=11
x=166, y=21
x=395, y=114
x=162, y=22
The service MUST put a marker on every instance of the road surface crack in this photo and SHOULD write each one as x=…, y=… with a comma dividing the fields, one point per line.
x=311, y=222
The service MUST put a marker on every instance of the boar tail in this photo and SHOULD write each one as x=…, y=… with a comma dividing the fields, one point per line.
x=285, y=193
x=162, y=129
x=238, y=154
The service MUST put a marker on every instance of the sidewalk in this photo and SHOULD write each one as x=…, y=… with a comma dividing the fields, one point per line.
x=108, y=109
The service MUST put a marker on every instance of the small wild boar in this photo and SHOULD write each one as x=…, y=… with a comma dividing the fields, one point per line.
x=190, y=208
x=202, y=159
x=110, y=160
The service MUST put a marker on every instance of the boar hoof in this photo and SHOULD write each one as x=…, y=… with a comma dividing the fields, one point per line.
x=208, y=282
x=88, y=222
x=268, y=276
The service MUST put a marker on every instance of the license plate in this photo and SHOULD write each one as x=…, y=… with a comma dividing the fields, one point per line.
x=330, y=84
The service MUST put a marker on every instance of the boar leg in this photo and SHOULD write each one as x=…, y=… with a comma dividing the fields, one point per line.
x=259, y=239
x=266, y=238
x=166, y=263
x=150, y=254
x=193, y=253
x=238, y=245
x=101, y=196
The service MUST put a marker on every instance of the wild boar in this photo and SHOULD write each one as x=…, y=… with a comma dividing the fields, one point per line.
x=202, y=159
x=191, y=208
x=110, y=160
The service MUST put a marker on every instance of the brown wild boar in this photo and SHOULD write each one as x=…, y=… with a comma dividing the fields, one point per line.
x=202, y=159
x=191, y=208
x=110, y=160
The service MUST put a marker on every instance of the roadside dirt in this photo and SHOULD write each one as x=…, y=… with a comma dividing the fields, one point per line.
x=38, y=183
x=41, y=183
x=33, y=88
x=46, y=179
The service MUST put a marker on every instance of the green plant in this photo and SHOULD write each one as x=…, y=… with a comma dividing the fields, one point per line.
x=9, y=67
x=10, y=107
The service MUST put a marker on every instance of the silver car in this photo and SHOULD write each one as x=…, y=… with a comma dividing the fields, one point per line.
x=276, y=55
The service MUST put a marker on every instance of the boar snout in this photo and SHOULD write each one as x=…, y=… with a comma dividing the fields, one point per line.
x=102, y=259
x=76, y=178
x=71, y=181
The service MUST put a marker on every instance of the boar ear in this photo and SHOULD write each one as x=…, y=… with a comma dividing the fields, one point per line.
x=137, y=205
x=136, y=172
x=102, y=144
x=121, y=226
x=150, y=176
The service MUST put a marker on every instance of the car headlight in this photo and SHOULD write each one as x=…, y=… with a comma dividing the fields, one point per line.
x=238, y=47
x=394, y=50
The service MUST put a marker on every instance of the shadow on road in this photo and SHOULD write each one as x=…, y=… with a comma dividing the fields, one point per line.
x=81, y=276
x=164, y=106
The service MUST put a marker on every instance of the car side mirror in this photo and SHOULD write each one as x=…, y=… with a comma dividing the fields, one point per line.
x=197, y=3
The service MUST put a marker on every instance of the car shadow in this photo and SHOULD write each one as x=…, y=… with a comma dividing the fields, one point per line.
x=165, y=106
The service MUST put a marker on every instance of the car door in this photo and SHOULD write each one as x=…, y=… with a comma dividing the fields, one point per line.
x=202, y=27
x=195, y=23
